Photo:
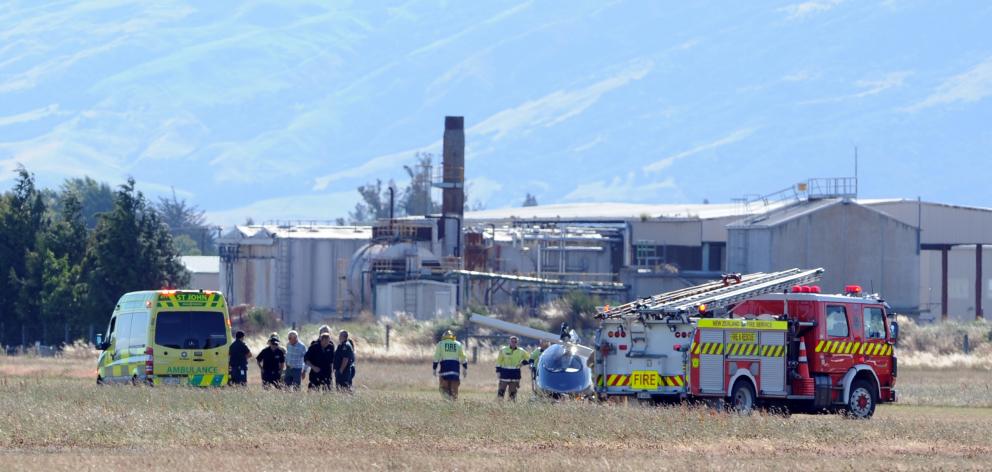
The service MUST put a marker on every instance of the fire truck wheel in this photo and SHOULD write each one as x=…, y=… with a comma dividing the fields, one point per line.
x=742, y=397
x=861, y=405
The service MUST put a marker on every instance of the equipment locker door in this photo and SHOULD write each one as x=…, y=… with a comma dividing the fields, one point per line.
x=711, y=361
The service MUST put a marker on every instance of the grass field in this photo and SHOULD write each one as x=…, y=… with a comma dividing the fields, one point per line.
x=55, y=418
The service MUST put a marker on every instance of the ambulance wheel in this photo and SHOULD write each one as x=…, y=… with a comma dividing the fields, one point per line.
x=99, y=380
x=742, y=397
x=134, y=381
x=861, y=404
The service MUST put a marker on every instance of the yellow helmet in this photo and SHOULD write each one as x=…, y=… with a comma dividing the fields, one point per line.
x=448, y=335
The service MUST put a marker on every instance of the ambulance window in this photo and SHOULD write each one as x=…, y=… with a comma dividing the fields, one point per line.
x=124, y=331
x=110, y=330
x=874, y=323
x=837, y=321
x=139, y=329
x=190, y=329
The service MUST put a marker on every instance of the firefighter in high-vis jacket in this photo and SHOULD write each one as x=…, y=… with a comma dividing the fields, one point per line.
x=511, y=358
x=448, y=355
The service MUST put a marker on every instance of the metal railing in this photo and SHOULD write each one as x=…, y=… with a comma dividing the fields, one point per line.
x=833, y=187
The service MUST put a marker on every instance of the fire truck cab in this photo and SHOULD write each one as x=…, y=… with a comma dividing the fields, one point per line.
x=838, y=352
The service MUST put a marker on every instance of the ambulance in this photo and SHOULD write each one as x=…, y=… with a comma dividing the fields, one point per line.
x=166, y=337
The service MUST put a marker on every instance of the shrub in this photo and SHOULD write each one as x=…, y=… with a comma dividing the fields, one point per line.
x=260, y=320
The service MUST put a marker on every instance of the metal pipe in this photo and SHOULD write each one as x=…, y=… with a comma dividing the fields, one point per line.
x=979, y=312
x=943, y=284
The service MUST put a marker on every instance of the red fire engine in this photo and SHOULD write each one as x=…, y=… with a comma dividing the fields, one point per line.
x=759, y=340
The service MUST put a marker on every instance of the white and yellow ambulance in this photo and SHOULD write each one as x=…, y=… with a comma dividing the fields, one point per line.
x=167, y=337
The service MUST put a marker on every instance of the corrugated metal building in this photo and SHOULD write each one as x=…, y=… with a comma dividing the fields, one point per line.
x=920, y=255
x=300, y=271
x=671, y=246
x=856, y=244
x=204, y=272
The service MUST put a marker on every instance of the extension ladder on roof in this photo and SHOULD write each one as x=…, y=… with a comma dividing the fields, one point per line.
x=717, y=295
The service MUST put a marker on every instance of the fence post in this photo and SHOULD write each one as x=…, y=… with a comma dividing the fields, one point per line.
x=475, y=354
x=967, y=345
x=388, y=329
x=65, y=338
x=90, y=339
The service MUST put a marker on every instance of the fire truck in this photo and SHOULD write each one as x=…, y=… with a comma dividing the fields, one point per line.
x=765, y=340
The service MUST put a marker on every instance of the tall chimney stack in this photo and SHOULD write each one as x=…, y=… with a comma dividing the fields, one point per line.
x=453, y=185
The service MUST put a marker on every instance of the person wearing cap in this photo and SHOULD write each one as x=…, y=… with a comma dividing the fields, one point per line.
x=272, y=361
x=344, y=362
x=295, y=352
x=238, y=355
x=320, y=361
x=508, y=364
x=448, y=355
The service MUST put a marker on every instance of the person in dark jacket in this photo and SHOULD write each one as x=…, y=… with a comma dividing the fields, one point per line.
x=320, y=360
x=238, y=355
x=272, y=361
x=344, y=362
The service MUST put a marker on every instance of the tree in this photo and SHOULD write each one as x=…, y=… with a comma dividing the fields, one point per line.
x=64, y=291
x=530, y=200
x=374, y=204
x=187, y=220
x=416, y=197
x=94, y=198
x=185, y=245
x=24, y=222
x=131, y=249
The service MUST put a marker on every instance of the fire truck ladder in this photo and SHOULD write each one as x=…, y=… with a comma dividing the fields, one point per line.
x=717, y=295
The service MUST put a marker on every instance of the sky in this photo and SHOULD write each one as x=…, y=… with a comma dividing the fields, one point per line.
x=279, y=110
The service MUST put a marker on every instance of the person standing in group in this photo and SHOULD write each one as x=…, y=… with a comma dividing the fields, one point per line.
x=320, y=360
x=272, y=361
x=295, y=352
x=534, y=357
x=344, y=362
x=323, y=329
x=449, y=354
x=238, y=355
x=508, y=364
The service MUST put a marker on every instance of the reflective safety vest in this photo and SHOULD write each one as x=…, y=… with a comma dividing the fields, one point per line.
x=534, y=356
x=509, y=361
x=448, y=354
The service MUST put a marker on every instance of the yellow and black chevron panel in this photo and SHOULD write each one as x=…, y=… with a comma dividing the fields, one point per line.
x=752, y=350
x=854, y=347
x=623, y=380
x=758, y=350
x=708, y=348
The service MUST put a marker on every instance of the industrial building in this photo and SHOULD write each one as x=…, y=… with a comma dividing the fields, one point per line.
x=204, y=272
x=925, y=258
x=298, y=270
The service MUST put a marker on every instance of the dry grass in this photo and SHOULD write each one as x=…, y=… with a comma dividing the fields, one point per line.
x=396, y=420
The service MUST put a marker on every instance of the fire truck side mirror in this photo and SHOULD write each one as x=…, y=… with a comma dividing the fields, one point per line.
x=894, y=331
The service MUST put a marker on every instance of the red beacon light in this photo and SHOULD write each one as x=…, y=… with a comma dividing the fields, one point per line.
x=853, y=289
x=807, y=289
x=814, y=289
x=797, y=289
